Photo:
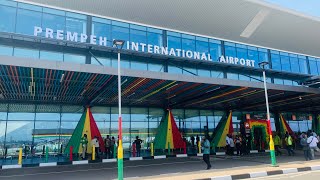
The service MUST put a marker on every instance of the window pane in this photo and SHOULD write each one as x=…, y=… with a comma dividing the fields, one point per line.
x=49, y=55
x=155, y=39
x=313, y=67
x=204, y=72
x=103, y=61
x=294, y=65
x=26, y=20
x=76, y=25
x=120, y=33
x=202, y=46
x=285, y=63
x=232, y=76
x=7, y=18
x=188, y=44
x=174, y=70
x=138, y=36
x=254, y=55
x=303, y=66
x=230, y=51
x=26, y=53
x=276, y=64
x=155, y=67
x=54, y=22
x=6, y=50
x=215, y=51
x=139, y=65
x=174, y=42
x=74, y=58
x=102, y=30
x=217, y=74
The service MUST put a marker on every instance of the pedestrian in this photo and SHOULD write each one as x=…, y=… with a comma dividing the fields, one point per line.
x=192, y=144
x=95, y=143
x=305, y=147
x=231, y=145
x=84, y=144
x=289, y=143
x=107, y=143
x=313, y=144
x=238, y=142
x=138, y=145
x=197, y=141
x=113, y=142
x=206, y=151
x=227, y=144
x=277, y=143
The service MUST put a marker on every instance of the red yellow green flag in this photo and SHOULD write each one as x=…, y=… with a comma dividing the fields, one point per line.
x=88, y=126
x=284, y=126
x=168, y=134
x=224, y=127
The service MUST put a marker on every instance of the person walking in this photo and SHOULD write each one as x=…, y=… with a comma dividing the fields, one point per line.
x=305, y=147
x=277, y=144
x=113, y=142
x=231, y=145
x=238, y=142
x=313, y=144
x=206, y=151
x=227, y=144
x=289, y=143
x=138, y=145
x=84, y=144
x=107, y=143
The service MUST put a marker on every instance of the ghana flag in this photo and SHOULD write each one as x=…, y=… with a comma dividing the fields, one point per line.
x=168, y=134
x=284, y=126
x=224, y=127
x=88, y=126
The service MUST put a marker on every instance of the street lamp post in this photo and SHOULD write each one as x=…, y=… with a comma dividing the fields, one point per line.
x=271, y=143
x=119, y=44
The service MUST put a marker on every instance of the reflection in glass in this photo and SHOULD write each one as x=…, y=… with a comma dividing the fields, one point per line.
x=26, y=20
x=7, y=18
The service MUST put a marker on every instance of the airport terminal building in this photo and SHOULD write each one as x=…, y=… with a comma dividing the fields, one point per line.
x=198, y=59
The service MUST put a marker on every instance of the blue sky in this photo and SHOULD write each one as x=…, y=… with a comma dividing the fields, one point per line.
x=310, y=7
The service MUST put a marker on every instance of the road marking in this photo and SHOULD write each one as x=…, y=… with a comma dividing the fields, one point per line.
x=86, y=170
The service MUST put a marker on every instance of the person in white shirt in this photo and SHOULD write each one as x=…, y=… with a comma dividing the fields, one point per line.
x=231, y=145
x=227, y=145
x=313, y=144
x=95, y=142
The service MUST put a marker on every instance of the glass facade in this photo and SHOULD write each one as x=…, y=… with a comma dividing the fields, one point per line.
x=35, y=126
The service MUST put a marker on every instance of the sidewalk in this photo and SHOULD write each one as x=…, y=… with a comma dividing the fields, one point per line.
x=241, y=172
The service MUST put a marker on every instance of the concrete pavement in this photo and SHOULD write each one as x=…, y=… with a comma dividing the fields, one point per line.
x=171, y=168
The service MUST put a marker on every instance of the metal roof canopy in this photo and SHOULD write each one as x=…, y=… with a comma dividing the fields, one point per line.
x=58, y=85
x=247, y=21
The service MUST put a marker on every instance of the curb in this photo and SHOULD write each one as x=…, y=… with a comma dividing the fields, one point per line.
x=81, y=162
x=263, y=173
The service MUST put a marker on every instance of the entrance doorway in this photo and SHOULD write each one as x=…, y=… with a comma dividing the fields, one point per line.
x=258, y=138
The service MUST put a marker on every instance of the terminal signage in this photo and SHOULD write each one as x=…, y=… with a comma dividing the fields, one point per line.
x=135, y=46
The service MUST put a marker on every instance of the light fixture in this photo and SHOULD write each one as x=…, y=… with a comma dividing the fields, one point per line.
x=61, y=79
x=263, y=64
x=118, y=43
x=300, y=97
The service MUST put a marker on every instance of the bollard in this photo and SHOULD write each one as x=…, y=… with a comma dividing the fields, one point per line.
x=168, y=148
x=152, y=151
x=93, y=153
x=47, y=154
x=71, y=149
x=20, y=156
x=185, y=148
x=199, y=147
x=134, y=150
x=114, y=151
